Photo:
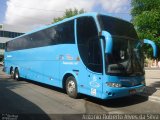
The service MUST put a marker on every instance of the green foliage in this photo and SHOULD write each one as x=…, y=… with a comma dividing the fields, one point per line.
x=69, y=13
x=146, y=18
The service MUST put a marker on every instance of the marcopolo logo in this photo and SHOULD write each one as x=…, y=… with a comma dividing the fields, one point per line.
x=94, y=82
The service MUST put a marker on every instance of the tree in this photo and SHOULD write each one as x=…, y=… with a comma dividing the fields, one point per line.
x=69, y=13
x=146, y=18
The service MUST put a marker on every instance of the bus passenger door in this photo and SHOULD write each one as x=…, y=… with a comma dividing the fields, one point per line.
x=90, y=52
x=94, y=67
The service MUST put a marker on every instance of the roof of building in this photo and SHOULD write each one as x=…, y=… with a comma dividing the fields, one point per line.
x=14, y=28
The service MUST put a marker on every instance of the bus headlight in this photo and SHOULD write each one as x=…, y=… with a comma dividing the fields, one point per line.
x=143, y=82
x=112, y=84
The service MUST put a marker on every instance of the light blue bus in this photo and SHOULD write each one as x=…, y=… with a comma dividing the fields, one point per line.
x=91, y=53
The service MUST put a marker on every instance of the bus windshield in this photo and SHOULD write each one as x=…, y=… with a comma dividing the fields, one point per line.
x=126, y=57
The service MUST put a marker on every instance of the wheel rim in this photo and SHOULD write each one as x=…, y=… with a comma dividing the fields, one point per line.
x=12, y=74
x=71, y=87
x=16, y=76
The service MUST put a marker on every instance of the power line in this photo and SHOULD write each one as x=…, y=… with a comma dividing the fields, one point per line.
x=36, y=8
x=30, y=18
x=45, y=10
x=41, y=24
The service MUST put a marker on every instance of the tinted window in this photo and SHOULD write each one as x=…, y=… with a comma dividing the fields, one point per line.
x=117, y=27
x=66, y=32
x=2, y=45
x=9, y=34
x=1, y=34
x=89, y=44
x=126, y=58
x=59, y=34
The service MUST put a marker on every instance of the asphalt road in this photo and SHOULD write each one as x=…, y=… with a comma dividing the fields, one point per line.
x=33, y=99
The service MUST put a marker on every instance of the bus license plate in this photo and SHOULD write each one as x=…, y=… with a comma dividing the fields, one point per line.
x=133, y=91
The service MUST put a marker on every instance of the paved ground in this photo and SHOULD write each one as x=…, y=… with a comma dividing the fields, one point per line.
x=153, y=84
x=30, y=99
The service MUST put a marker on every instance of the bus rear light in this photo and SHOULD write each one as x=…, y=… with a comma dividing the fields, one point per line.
x=112, y=84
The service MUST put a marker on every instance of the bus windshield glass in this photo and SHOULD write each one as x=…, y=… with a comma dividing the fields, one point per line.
x=126, y=58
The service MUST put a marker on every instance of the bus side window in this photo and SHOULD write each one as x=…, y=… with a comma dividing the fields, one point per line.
x=59, y=34
x=65, y=32
x=89, y=44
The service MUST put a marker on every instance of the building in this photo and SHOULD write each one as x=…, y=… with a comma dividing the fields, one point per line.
x=7, y=32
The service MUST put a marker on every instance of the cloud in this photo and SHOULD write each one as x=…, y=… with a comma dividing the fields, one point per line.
x=40, y=12
x=115, y=6
x=36, y=12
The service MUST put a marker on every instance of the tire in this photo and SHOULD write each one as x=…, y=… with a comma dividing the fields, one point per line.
x=16, y=74
x=71, y=87
x=12, y=73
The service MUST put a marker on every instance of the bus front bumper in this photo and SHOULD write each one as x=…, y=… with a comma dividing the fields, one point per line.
x=111, y=92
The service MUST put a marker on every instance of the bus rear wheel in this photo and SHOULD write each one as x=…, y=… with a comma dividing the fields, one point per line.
x=71, y=87
x=16, y=74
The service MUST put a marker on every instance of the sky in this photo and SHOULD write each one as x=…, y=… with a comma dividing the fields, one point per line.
x=34, y=13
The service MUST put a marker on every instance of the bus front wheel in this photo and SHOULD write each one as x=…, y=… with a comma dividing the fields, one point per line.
x=71, y=87
x=16, y=74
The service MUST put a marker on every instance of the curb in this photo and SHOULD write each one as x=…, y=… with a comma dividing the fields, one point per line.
x=153, y=70
x=154, y=98
x=151, y=98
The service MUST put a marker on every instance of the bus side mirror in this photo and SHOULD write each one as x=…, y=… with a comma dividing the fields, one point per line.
x=107, y=41
x=146, y=41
